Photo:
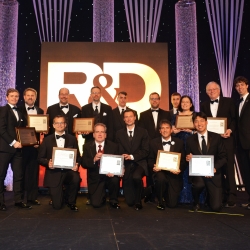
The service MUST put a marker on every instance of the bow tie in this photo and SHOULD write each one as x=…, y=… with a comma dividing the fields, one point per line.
x=31, y=108
x=216, y=100
x=15, y=108
x=241, y=99
x=166, y=142
x=60, y=136
x=154, y=110
x=66, y=107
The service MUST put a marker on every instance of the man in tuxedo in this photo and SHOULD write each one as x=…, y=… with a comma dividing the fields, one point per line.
x=168, y=183
x=29, y=159
x=100, y=111
x=175, y=101
x=10, y=148
x=219, y=106
x=243, y=134
x=133, y=143
x=55, y=178
x=97, y=183
x=206, y=143
x=65, y=109
x=119, y=123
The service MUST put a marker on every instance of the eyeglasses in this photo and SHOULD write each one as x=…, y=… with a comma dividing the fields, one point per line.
x=59, y=123
x=154, y=99
x=210, y=90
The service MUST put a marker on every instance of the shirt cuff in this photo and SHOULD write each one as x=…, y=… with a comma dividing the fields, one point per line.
x=132, y=157
x=12, y=143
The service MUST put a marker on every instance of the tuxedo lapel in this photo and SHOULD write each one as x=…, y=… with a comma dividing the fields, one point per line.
x=119, y=116
x=53, y=141
x=151, y=119
x=196, y=141
x=220, y=107
x=245, y=104
x=209, y=141
x=208, y=110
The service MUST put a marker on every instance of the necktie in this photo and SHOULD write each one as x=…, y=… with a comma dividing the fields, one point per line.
x=96, y=111
x=122, y=112
x=154, y=110
x=203, y=145
x=216, y=100
x=29, y=108
x=14, y=108
x=66, y=107
x=130, y=136
x=166, y=142
x=99, y=149
x=241, y=99
x=60, y=136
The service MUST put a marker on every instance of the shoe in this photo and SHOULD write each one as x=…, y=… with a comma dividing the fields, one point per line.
x=245, y=204
x=73, y=207
x=50, y=202
x=196, y=207
x=160, y=206
x=138, y=206
x=88, y=202
x=22, y=205
x=230, y=204
x=114, y=205
x=34, y=202
x=2, y=207
x=248, y=207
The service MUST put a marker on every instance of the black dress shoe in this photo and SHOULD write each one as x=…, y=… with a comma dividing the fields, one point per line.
x=73, y=207
x=160, y=206
x=22, y=205
x=34, y=202
x=2, y=207
x=138, y=206
x=230, y=204
x=114, y=205
x=196, y=207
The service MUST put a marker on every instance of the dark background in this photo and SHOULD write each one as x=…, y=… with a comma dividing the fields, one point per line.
x=29, y=47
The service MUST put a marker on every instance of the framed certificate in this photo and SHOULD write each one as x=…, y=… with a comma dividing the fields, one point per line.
x=111, y=164
x=201, y=165
x=217, y=125
x=184, y=121
x=83, y=125
x=26, y=136
x=168, y=160
x=64, y=157
x=39, y=122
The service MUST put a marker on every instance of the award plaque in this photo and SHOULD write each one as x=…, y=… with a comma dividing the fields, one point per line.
x=217, y=125
x=201, y=165
x=64, y=157
x=184, y=121
x=112, y=164
x=168, y=160
x=83, y=125
x=39, y=122
x=26, y=136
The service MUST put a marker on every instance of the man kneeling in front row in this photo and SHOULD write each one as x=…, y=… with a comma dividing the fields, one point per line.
x=55, y=178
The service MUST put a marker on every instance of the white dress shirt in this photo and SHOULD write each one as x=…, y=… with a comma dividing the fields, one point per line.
x=31, y=111
x=200, y=138
x=167, y=146
x=60, y=142
x=65, y=110
x=242, y=102
x=155, y=116
x=98, y=106
x=214, y=107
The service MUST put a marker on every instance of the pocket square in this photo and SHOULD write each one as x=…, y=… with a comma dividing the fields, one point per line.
x=104, y=114
x=21, y=120
x=75, y=115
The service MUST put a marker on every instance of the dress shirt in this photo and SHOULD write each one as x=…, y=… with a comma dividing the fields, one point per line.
x=200, y=138
x=175, y=110
x=242, y=102
x=132, y=157
x=60, y=142
x=65, y=110
x=214, y=107
x=97, y=146
x=120, y=109
x=98, y=106
x=155, y=116
x=15, y=111
x=31, y=111
x=167, y=146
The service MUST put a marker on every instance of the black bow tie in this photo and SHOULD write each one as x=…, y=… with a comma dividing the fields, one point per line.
x=60, y=136
x=31, y=108
x=166, y=142
x=241, y=99
x=216, y=100
x=154, y=110
x=15, y=108
x=66, y=107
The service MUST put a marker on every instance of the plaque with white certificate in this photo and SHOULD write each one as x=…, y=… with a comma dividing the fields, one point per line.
x=39, y=122
x=217, y=125
x=83, y=125
x=168, y=160
x=184, y=122
x=112, y=164
x=201, y=165
x=64, y=157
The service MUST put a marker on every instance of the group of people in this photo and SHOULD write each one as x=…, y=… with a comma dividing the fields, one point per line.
x=120, y=132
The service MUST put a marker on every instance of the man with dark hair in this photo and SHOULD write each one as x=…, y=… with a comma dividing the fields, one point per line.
x=55, y=178
x=218, y=106
x=133, y=143
x=168, y=184
x=243, y=135
x=97, y=183
x=65, y=109
x=206, y=143
x=175, y=100
x=10, y=148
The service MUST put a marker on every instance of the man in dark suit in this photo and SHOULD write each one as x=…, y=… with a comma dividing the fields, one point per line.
x=10, y=148
x=175, y=100
x=168, y=183
x=29, y=159
x=118, y=111
x=65, y=109
x=206, y=143
x=55, y=178
x=243, y=134
x=219, y=106
x=97, y=183
x=100, y=111
x=133, y=142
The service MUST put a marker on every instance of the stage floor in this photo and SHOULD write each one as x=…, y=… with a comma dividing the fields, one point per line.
x=105, y=228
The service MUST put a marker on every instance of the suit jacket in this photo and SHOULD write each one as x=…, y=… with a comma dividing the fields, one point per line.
x=54, y=110
x=243, y=124
x=53, y=176
x=8, y=123
x=147, y=121
x=106, y=117
x=155, y=145
x=138, y=147
x=215, y=147
x=89, y=152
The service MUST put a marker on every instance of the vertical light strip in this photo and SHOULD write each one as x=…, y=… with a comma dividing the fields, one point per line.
x=137, y=22
x=35, y=9
x=46, y=18
x=128, y=19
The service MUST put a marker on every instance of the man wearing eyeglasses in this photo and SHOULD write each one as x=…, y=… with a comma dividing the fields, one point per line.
x=55, y=178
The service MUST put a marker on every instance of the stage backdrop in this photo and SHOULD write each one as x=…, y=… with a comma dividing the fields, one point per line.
x=137, y=68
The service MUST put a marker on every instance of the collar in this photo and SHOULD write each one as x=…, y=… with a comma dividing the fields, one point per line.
x=58, y=134
x=131, y=129
x=60, y=104
x=97, y=144
x=121, y=108
x=11, y=105
x=27, y=106
x=245, y=96
x=163, y=140
x=205, y=134
x=98, y=105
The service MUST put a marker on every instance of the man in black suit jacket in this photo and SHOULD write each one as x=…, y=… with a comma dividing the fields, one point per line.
x=100, y=111
x=97, y=183
x=133, y=142
x=168, y=183
x=29, y=159
x=243, y=134
x=65, y=109
x=175, y=100
x=10, y=148
x=224, y=107
x=118, y=111
x=206, y=143
x=55, y=178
